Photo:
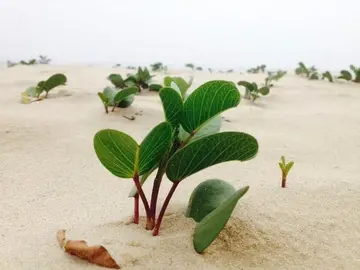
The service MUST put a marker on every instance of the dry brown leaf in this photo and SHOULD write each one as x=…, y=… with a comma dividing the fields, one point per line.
x=79, y=248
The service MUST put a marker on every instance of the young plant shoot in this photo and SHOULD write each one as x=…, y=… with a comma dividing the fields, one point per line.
x=285, y=169
x=328, y=76
x=114, y=97
x=252, y=91
x=33, y=93
x=186, y=143
x=347, y=76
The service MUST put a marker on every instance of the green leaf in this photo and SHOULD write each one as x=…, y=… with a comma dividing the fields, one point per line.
x=210, y=127
x=126, y=102
x=172, y=105
x=167, y=81
x=281, y=166
x=327, y=75
x=207, y=101
x=345, y=75
x=264, y=90
x=117, y=151
x=182, y=84
x=247, y=85
x=109, y=93
x=283, y=160
x=54, y=81
x=122, y=94
x=116, y=80
x=32, y=91
x=206, y=197
x=131, y=81
x=210, y=150
x=155, y=87
x=154, y=147
x=289, y=166
x=209, y=228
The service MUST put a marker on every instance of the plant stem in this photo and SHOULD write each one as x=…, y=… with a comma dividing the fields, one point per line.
x=136, y=209
x=163, y=208
x=106, y=108
x=143, y=198
x=283, y=181
x=155, y=192
x=113, y=109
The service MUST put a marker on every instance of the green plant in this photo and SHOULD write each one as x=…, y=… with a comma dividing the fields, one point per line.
x=302, y=70
x=158, y=66
x=274, y=76
x=199, y=68
x=314, y=76
x=285, y=169
x=210, y=70
x=114, y=97
x=252, y=91
x=328, y=76
x=141, y=79
x=43, y=86
x=43, y=59
x=31, y=62
x=186, y=143
x=192, y=66
x=346, y=75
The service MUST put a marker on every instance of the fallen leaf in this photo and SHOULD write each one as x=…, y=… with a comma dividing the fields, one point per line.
x=79, y=248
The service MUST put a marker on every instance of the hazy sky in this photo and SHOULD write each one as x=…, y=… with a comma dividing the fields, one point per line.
x=218, y=34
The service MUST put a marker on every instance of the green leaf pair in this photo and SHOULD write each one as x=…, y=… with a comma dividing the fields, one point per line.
x=285, y=167
x=122, y=98
x=252, y=91
x=211, y=204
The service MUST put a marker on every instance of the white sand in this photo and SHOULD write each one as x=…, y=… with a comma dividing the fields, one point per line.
x=51, y=178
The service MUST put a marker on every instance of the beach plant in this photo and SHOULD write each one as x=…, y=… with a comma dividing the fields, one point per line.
x=253, y=91
x=29, y=63
x=141, y=79
x=274, y=76
x=191, y=66
x=158, y=66
x=302, y=70
x=230, y=71
x=346, y=75
x=199, y=68
x=257, y=69
x=44, y=60
x=33, y=93
x=285, y=169
x=187, y=142
x=121, y=98
x=210, y=70
x=327, y=75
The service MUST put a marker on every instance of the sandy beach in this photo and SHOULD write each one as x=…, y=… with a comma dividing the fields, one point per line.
x=51, y=179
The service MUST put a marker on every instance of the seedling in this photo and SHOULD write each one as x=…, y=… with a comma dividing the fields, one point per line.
x=186, y=143
x=302, y=70
x=44, y=60
x=158, y=66
x=252, y=91
x=274, y=76
x=33, y=93
x=122, y=98
x=346, y=75
x=285, y=169
x=199, y=68
x=192, y=66
x=141, y=79
x=257, y=69
x=328, y=76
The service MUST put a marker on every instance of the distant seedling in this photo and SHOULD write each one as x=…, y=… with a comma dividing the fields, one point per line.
x=191, y=66
x=257, y=69
x=122, y=98
x=274, y=76
x=158, y=66
x=285, y=169
x=199, y=68
x=33, y=93
x=179, y=85
x=44, y=60
x=141, y=79
x=327, y=75
x=346, y=75
x=252, y=91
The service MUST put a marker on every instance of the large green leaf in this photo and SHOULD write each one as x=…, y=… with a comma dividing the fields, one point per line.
x=206, y=197
x=154, y=147
x=327, y=75
x=172, y=105
x=116, y=80
x=210, y=150
x=207, y=101
x=209, y=228
x=117, y=151
x=122, y=94
x=54, y=81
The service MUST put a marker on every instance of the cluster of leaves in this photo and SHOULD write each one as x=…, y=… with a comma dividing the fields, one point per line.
x=33, y=93
x=116, y=97
x=274, y=76
x=42, y=60
x=346, y=75
x=186, y=143
x=311, y=73
x=257, y=69
x=141, y=79
x=285, y=169
x=253, y=91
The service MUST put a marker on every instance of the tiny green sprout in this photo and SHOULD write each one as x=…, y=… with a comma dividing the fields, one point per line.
x=199, y=68
x=285, y=169
x=179, y=148
x=141, y=79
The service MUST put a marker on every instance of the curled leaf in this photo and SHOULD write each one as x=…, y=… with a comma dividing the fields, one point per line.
x=93, y=254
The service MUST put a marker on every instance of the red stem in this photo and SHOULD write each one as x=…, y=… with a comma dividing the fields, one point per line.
x=136, y=209
x=283, y=181
x=144, y=200
x=155, y=194
x=163, y=208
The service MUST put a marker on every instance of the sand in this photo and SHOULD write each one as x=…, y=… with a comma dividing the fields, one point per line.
x=51, y=178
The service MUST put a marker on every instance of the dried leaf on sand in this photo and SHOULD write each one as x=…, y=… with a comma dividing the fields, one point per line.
x=79, y=248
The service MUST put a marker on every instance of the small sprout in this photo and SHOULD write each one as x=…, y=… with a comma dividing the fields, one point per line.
x=285, y=169
x=158, y=66
x=328, y=76
x=252, y=91
x=346, y=75
x=155, y=87
x=257, y=69
x=314, y=76
x=141, y=79
x=114, y=97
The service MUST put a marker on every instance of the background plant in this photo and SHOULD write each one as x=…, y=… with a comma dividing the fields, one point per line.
x=253, y=91
x=158, y=66
x=346, y=75
x=167, y=150
x=191, y=66
x=44, y=60
x=114, y=97
x=327, y=75
x=285, y=169
x=274, y=76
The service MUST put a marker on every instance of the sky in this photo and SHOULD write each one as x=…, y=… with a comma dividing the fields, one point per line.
x=213, y=34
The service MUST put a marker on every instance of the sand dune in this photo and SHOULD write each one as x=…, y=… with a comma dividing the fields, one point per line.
x=51, y=178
